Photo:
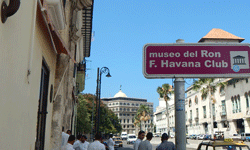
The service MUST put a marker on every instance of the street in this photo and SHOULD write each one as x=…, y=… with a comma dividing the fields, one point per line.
x=191, y=145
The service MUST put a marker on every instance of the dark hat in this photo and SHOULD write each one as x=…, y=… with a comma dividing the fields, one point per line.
x=164, y=136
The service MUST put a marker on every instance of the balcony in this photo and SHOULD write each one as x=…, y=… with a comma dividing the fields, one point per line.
x=196, y=119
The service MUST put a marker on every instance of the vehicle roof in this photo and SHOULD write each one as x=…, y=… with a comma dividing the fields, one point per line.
x=218, y=143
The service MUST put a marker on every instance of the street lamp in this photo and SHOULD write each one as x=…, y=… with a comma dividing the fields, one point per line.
x=103, y=70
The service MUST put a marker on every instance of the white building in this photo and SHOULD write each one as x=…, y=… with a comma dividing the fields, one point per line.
x=126, y=108
x=160, y=118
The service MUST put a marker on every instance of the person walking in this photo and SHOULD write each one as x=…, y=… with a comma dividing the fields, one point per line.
x=69, y=145
x=110, y=142
x=165, y=144
x=85, y=143
x=146, y=145
x=141, y=136
x=65, y=138
x=97, y=145
x=78, y=144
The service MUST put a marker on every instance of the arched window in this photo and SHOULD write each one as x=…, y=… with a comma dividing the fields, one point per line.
x=190, y=103
x=236, y=104
x=233, y=105
x=222, y=90
x=196, y=100
x=247, y=100
x=239, y=105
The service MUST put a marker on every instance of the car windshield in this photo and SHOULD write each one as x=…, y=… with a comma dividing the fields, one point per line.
x=124, y=134
x=247, y=134
x=117, y=138
x=132, y=137
x=228, y=147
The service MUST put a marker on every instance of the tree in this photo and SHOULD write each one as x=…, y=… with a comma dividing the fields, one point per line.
x=143, y=114
x=109, y=122
x=165, y=92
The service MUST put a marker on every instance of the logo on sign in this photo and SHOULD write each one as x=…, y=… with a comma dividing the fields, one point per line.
x=239, y=60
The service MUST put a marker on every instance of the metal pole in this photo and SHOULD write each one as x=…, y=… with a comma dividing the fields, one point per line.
x=180, y=122
x=99, y=100
x=97, y=89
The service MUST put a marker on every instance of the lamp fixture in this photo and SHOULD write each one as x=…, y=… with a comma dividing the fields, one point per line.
x=7, y=11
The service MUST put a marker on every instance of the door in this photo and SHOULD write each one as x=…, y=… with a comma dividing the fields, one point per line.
x=42, y=107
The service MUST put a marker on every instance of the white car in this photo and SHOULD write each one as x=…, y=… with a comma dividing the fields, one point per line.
x=236, y=137
x=131, y=138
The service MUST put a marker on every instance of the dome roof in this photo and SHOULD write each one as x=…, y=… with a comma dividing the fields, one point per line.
x=120, y=94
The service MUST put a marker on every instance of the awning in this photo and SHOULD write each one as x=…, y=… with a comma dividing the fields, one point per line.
x=52, y=33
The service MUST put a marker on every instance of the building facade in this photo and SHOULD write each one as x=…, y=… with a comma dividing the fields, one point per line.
x=126, y=108
x=38, y=66
x=160, y=117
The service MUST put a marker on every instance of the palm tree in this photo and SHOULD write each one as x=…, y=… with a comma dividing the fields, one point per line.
x=165, y=92
x=207, y=88
x=143, y=114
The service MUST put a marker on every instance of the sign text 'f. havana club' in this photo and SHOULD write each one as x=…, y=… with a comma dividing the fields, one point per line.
x=196, y=60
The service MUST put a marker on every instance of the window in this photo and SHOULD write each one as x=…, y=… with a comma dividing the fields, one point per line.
x=124, y=114
x=190, y=103
x=124, y=120
x=133, y=126
x=127, y=126
x=128, y=109
x=116, y=109
x=197, y=112
x=196, y=100
x=120, y=103
x=133, y=114
x=113, y=103
x=246, y=80
x=233, y=104
x=116, y=103
x=133, y=104
x=124, y=126
x=133, y=120
x=247, y=100
x=222, y=90
x=128, y=104
x=204, y=112
x=191, y=114
x=124, y=109
x=128, y=121
x=223, y=107
x=120, y=109
x=213, y=109
x=239, y=104
x=128, y=114
x=137, y=104
x=124, y=103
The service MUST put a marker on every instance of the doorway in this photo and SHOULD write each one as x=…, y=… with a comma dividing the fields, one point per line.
x=42, y=107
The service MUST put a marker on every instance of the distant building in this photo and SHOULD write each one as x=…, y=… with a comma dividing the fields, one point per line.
x=160, y=118
x=125, y=108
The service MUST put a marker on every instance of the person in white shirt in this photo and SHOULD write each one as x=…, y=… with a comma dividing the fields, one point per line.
x=78, y=144
x=65, y=138
x=85, y=143
x=97, y=145
x=69, y=145
x=141, y=136
x=110, y=142
x=146, y=145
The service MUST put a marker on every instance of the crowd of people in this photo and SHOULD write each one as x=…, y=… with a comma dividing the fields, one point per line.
x=146, y=145
x=69, y=142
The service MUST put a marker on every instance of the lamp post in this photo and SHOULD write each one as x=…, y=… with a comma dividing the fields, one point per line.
x=103, y=70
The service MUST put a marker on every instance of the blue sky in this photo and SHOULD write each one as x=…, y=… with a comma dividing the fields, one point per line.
x=123, y=27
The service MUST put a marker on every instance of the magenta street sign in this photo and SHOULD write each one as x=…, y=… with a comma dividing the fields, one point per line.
x=196, y=60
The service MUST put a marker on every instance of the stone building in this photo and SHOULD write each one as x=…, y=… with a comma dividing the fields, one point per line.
x=43, y=43
x=126, y=108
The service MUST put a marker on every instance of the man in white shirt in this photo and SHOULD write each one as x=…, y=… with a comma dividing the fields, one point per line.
x=97, y=145
x=146, y=145
x=110, y=142
x=85, y=143
x=69, y=145
x=78, y=144
x=141, y=136
x=65, y=138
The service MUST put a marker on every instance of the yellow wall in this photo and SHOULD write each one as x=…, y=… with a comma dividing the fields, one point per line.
x=18, y=99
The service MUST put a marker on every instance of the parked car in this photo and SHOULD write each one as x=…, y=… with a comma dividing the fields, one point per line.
x=236, y=137
x=225, y=145
x=131, y=139
x=201, y=137
x=193, y=136
x=245, y=136
x=118, y=142
x=207, y=137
